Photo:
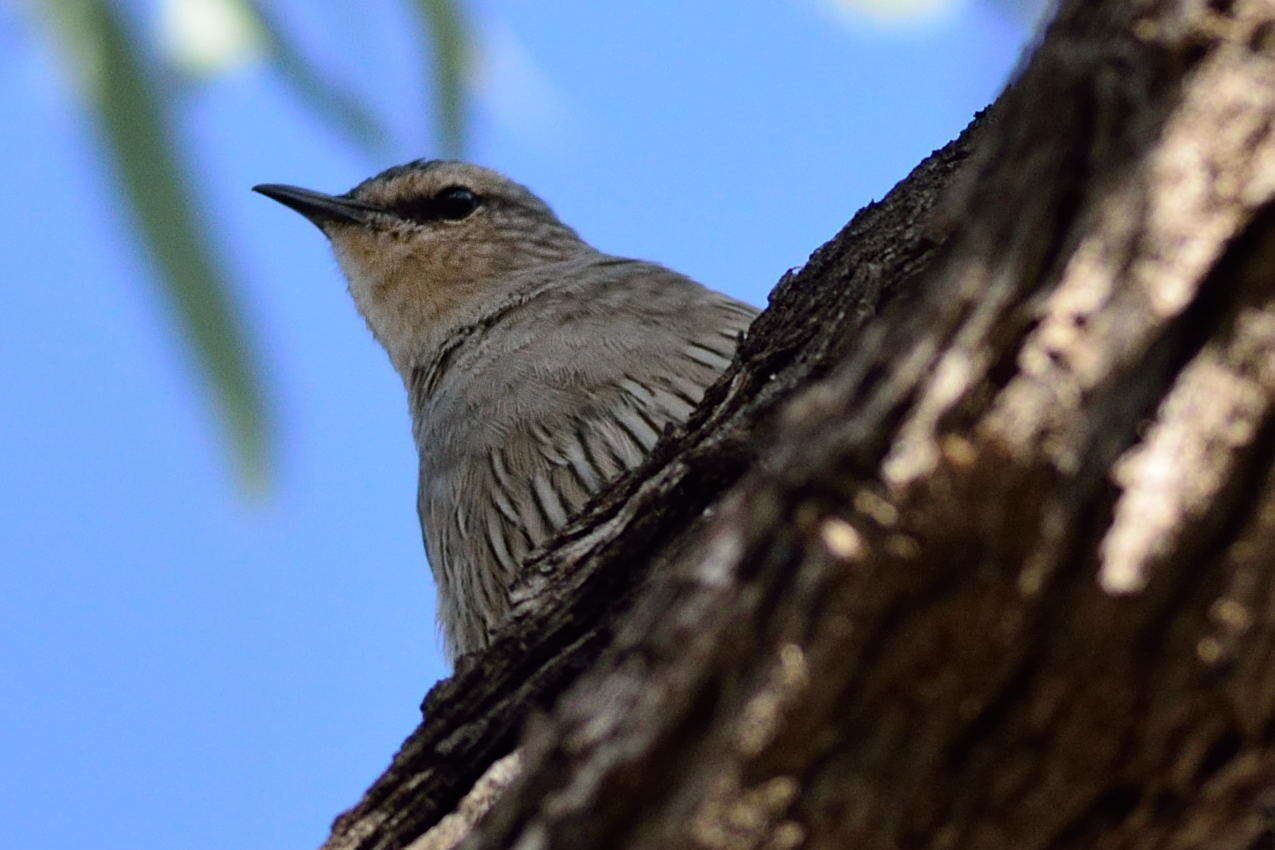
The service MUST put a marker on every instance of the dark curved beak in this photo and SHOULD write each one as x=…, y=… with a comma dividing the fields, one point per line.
x=321, y=209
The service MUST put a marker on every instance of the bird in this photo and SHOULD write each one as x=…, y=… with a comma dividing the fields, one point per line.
x=537, y=368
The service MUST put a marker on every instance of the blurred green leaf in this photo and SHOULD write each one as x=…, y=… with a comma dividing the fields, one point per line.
x=448, y=37
x=338, y=107
x=140, y=143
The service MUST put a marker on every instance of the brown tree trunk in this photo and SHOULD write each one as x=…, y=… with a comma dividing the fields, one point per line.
x=973, y=547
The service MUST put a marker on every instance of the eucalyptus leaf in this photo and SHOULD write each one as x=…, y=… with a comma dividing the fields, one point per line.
x=339, y=108
x=139, y=142
x=449, y=40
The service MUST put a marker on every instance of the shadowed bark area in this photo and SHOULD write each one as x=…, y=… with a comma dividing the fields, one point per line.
x=973, y=546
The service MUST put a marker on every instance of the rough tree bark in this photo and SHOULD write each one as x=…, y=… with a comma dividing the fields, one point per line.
x=974, y=544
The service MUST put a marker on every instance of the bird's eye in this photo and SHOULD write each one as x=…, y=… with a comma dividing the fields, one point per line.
x=454, y=203
x=450, y=204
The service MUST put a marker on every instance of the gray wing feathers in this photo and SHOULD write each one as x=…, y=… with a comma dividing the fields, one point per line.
x=533, y=415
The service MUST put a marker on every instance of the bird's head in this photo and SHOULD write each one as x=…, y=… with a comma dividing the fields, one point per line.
x=430, y=243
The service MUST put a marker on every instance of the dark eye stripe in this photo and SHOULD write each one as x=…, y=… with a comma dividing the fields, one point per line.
x=451, y=204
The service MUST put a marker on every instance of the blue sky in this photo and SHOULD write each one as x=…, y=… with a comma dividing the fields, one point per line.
x=184, y=667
